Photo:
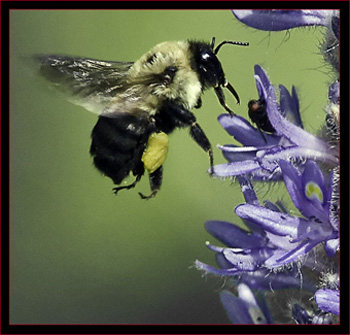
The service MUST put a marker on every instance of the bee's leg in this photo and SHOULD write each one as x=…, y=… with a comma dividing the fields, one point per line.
x=221, y=97
x=127, y=187
x=155, y=180
x=201, y=139
x=182, y=117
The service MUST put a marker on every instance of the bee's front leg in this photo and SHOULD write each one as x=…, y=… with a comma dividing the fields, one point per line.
x=201, y=139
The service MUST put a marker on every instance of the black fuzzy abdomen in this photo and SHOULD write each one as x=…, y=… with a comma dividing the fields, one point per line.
x=118, y=144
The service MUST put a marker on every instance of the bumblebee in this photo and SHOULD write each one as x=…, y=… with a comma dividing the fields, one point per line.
x=140, y=103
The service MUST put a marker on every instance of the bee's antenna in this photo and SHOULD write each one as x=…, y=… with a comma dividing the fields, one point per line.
x=244, y=44
x=212, y=43
x=217, y=88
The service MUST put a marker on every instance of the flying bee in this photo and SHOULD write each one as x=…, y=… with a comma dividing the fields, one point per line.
x=258, y=115
x=140, y=103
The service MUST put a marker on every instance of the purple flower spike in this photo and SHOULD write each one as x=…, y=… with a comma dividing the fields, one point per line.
x=260, y=155
x=276, y=20
x=281, y=247
x=328, y=300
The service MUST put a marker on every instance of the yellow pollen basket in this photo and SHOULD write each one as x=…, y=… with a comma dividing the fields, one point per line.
x=313, y=191
x=156, y=152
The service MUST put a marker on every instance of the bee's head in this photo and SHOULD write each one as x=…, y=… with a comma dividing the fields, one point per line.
x=209, y=68
x=207, y=65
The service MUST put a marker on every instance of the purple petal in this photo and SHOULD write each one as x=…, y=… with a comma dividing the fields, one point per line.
x=290, y=105
x=331, y=247
x=314, y=184
x=251, y=167
x=277, y=223
x=299, y=152
x=262, y=82
x=221, y=272
x=293, y=181
x=263, y=175
x=237, y=154
x=268, y=280
x=278, y=206
x=311, y=146
x=282, y=257
x=267, y=158
x=232, y=124
x=243, y=132
x=294, y=184
x=246, y=308
x=233, y=236
x=292, y=132
x=276, y=20
x=281, y=242
x=235, y=169
x=223, y=263
x=215, y=248
x=328, y=300
x=274, y=222
x=248, y=190
x=257, y=306
x=247, y=259
x=234, y=153
x=236, y=308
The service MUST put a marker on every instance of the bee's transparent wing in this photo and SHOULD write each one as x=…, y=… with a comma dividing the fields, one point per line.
x=86, y=82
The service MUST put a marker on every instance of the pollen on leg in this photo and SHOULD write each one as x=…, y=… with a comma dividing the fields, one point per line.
x=156, y=151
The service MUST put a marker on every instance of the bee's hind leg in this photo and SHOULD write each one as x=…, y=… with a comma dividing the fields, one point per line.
x=127, y=187
x=155, y=179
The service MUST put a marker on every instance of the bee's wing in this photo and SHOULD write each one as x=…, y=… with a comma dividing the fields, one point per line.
x=86, y=82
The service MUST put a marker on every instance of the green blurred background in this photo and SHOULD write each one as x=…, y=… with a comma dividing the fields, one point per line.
x=79, y=254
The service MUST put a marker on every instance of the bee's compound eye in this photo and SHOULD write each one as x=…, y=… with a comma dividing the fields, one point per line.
x=169, y=73
x=205, y=56
x=170, y=70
